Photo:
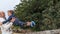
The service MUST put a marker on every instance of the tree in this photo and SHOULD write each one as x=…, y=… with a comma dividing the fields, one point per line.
x=44, y=12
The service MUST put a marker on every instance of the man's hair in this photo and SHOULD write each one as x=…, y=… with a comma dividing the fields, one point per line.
x=11, y=11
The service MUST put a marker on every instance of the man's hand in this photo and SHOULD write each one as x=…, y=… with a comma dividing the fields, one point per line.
x=13, y=19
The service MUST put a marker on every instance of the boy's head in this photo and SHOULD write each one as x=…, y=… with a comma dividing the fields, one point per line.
x=10, y=12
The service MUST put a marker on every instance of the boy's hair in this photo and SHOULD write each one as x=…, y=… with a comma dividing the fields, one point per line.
x=11, y=11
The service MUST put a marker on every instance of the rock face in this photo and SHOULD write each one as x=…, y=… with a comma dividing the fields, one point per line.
x=43, y=32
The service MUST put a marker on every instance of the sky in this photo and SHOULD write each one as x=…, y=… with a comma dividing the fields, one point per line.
x=8, y=5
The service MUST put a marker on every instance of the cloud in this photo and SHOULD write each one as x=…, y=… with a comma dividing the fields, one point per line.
x=8, y=4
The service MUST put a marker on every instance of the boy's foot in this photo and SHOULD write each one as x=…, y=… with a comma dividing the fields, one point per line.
x=32, y=24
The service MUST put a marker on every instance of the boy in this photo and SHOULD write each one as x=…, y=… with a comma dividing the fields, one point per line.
x=17, y=21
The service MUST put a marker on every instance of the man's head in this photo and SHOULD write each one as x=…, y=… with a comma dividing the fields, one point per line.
x=10, y=12
x=2, y=14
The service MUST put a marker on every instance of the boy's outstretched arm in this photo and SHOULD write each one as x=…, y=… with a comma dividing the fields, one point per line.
x=7, y=20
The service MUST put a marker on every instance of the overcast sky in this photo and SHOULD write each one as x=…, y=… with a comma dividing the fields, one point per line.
x=8, y=4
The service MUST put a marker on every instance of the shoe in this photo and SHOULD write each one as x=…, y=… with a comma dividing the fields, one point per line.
x=32, y=24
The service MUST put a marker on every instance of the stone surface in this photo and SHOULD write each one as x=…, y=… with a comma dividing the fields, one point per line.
x=43, y=32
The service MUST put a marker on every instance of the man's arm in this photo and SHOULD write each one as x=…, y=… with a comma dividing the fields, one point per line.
x=9, y=24
x=0, y=23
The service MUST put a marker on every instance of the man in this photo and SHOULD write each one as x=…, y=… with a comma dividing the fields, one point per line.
x=5, y=28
